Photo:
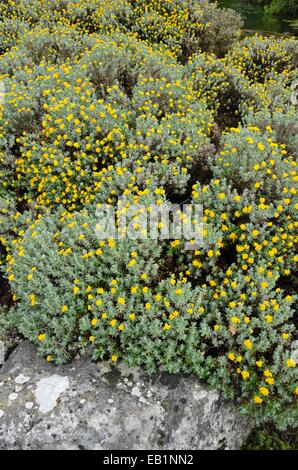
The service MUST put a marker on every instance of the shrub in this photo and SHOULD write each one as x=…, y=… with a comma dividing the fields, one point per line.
x=259, y=58
x=79, y=269
x=286, y=7
x=269, y=438
x=249, y=255
x=12, y=226
x=10, y=33
x=185, y=26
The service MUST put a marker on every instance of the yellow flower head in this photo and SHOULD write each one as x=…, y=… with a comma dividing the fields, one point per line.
x=264, y=391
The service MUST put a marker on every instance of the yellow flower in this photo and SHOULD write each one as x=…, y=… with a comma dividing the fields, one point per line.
x=264, y=391
x=166, y=326
x=49, y=358
x=258, y=399
x=91, y=339
x=121, y=301
x=114, y=358
x=94, y=322
x=132, y=316
x=64, y=309
x=42, y=337
x=247, y=343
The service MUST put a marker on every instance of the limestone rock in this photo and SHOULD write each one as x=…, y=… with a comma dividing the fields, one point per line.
x=93, y=406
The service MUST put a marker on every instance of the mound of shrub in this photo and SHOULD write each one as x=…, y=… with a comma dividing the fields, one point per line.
x=69, y=124
x=184, y=26
x=225, y=90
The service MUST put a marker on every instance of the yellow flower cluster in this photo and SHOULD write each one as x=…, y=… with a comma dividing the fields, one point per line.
x=115, y=99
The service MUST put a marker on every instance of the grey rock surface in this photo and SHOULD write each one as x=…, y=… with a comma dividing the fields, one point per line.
x=93, y=406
